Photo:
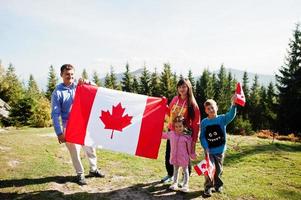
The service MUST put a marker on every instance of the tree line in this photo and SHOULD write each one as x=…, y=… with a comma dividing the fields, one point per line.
x=275, y=107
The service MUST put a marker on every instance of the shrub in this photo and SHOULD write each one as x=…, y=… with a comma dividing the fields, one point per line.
x=41, y=113
x=242, y=127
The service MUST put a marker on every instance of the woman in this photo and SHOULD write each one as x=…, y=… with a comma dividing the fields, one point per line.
x=184, y=104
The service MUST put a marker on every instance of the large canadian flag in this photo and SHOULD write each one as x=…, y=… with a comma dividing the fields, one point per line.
x=116, y=120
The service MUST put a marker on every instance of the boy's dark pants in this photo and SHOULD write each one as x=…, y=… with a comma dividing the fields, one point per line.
x=217, y=160
x=168, y=166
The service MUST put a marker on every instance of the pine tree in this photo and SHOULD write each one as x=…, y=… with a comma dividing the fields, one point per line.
x=245, y=87
x=155, y=85
x=32, y=88
x=221, y=93
x=85, y=75
x=181, y=76
x=113, y=79
x=230, y=87
x=119, y=86
x=255, y=104
x=288, y=84
x=135, y=85
x=52, y=82
x=263, y=109
x=166, y=82
x=174, y=83
x=11, y=87
x=21, y=111
x=271, y=106
x=2, y=71
x=191, y=79
x=144, y=85
x=108, y=83
x=96, y=79
x=204, y=90
x=127, y=79
x=3, y=85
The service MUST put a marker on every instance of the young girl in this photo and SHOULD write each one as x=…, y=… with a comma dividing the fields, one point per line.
x=180, y=153
x=184, y=105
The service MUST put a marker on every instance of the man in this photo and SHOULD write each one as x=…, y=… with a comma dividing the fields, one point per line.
x=61, y=103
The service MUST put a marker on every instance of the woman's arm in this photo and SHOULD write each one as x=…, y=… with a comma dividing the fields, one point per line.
x=196, y=124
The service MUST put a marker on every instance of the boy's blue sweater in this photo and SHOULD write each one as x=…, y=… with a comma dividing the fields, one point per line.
x=61, y=102
x=213, y=132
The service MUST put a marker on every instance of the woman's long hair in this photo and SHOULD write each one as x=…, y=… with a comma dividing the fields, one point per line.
x=190, y=97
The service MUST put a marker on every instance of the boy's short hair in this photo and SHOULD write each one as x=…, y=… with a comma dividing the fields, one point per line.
x=66, y=67
x=210, y=102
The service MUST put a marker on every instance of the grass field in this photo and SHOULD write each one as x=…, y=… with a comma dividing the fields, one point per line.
x=34, y=166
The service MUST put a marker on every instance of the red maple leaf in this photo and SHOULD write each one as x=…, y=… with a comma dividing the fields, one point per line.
x=115, y=121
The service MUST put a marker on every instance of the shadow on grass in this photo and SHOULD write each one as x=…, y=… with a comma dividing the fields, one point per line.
x=35, y=181
x=154, y=190
x=234, y=157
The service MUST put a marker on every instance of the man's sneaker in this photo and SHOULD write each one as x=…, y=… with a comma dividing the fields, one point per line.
x=219, y=190
x=185, y=188
x=97, y=173
x=167, y=179
x=80, y=179
x=208, y=192
x=174, y=186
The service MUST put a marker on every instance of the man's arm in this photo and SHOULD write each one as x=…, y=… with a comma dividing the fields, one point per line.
x=55, y=116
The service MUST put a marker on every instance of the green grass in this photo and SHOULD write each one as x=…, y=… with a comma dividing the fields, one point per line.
x=35, y=166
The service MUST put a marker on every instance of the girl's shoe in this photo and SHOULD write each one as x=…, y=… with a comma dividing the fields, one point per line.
x=167, y=179
x=174, y=186
x=208, y=192
x=185, y=188
x=219, y=190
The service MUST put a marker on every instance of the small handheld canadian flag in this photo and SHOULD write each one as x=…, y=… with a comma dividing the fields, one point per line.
x=240, y=96
x=205, y=167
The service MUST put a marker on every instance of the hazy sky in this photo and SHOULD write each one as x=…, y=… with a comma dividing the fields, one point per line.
x=251, y=35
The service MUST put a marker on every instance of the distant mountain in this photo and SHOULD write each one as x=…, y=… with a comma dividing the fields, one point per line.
x=238, y=74
x=119, y=76
x=263, y=79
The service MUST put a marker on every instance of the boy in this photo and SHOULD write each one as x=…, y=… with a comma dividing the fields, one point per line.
x=213, y=140
x=61, y=103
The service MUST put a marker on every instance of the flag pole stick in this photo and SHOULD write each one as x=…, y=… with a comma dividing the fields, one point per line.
x=112, y=134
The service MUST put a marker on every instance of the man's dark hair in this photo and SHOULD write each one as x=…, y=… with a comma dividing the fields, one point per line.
x=66, y=67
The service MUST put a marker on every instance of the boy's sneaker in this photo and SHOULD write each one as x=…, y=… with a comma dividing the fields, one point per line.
x=185, y=188
x=167, y=179
x=208, y=192
x=219, y=190
x=97, y=173
x=174, y=186
x=80, y=179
